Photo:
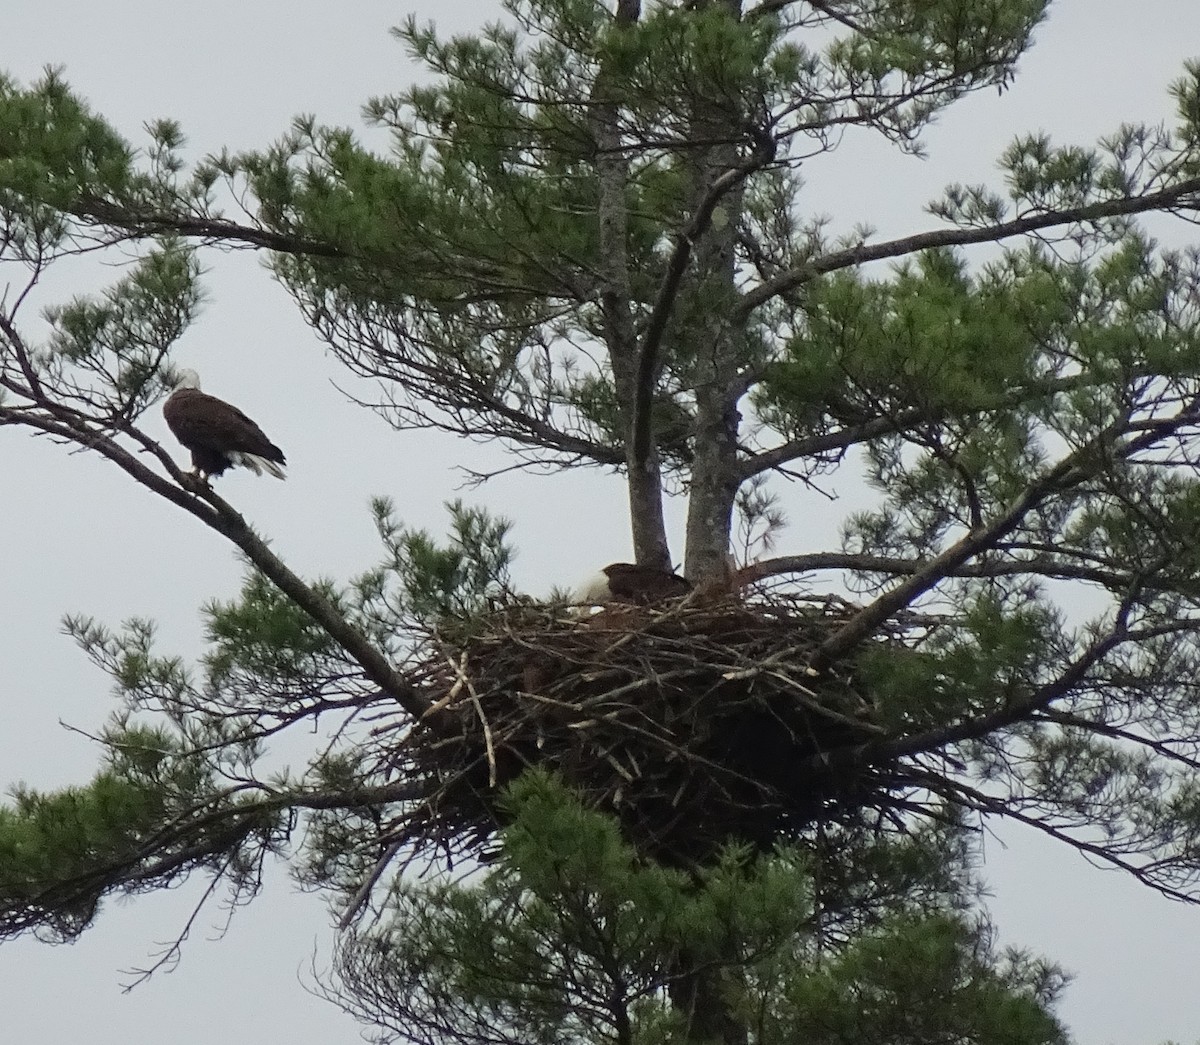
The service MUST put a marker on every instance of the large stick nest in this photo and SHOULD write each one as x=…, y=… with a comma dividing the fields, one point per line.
x=694, y=724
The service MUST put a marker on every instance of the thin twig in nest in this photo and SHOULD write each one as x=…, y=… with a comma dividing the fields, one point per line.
x=461, y=670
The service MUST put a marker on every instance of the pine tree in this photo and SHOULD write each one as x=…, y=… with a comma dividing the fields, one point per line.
x=570, y=937
x=587, y=241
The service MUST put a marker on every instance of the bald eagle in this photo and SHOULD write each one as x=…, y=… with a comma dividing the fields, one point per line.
x=218, y=435
x=630, y=583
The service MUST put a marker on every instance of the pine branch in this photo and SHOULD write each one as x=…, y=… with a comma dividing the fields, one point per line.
x=193, y=838
x=1017, y=710
x=202, y=502
x=900, y=421
x=221, y=231
x=1173, y=197
x=1037, y=565
x=1085, y=463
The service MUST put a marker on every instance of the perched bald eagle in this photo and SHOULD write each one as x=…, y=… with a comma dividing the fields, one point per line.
x=632, y=584
x=218, y=435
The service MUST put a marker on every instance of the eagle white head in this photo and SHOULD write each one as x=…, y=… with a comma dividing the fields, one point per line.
x=187, y=379
x=594, y=591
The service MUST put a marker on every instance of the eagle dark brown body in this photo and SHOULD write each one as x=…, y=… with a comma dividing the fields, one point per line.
x=630, y=583
x=218, y=435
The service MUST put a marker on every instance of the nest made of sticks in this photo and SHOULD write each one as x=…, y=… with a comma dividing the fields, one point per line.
x=694, y=723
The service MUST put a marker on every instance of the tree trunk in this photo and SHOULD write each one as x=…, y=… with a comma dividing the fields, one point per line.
x=648, y=525
x=699, y=998
x=714, y=487
x=716, y=379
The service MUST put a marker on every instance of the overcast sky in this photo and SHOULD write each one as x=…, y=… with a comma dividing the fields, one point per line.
x=78, y=536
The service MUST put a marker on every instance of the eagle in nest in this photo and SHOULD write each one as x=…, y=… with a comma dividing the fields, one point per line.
x=632, y=584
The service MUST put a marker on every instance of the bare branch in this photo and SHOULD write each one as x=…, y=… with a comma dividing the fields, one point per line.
x=1164, y=199
x=1039, y=565
x=1103, y=854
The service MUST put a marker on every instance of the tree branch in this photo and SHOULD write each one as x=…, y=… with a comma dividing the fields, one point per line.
x=212, y=230
x=1039, y=565
x=1102, y=853
x=901, y=420
x=1086, y=462
x=212, y=510
x=1014, y=711
x=1164, y=199
x=194, y=837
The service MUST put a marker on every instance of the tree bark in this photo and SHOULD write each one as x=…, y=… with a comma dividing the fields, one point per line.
x=643, y=473
x=698, y=995
x=716, y=380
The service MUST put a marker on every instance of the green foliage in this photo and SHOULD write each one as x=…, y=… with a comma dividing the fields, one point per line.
x=58, y=157
x=422, y=583
x=569, y=936
x=986, y=376
x=573, y=213
x=120, y=339
x=929, y=980
x=49, y=839
x=982, y=667
x=54, y=150
x=267, y=638
x=931, y=337
x=151, y=816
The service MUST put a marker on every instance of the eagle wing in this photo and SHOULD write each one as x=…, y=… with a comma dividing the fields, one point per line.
x=644, y=584
x=204, y=422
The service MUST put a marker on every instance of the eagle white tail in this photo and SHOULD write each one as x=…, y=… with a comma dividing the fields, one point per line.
x=257, y=464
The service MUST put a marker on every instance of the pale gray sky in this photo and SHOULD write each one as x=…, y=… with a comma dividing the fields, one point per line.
x=76, y=535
